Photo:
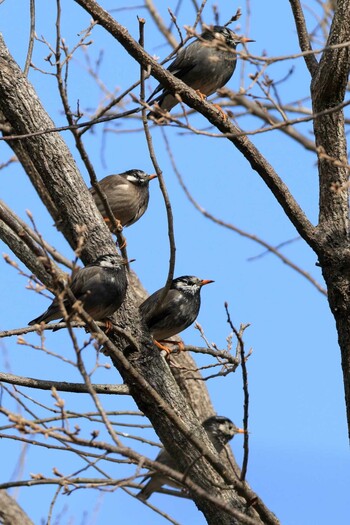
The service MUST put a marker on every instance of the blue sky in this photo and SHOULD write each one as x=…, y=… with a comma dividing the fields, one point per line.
x=299, y=461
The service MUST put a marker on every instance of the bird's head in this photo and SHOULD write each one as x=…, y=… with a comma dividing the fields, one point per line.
x=225, y=36
x=109, y=260
x=189, y=284
x=221, y=429
x=138, y=177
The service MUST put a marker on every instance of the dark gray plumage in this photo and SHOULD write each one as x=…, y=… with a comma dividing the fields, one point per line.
x=178, y=310
x=206, y=65
x=127, y=194
x=100, y=285
x=220, y=430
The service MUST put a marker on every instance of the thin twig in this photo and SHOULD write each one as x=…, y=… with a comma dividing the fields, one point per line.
x=239, y=335
x=303, y=36
x=62, y=87
x=31, y=38
x=161, y=181
x=234, y=228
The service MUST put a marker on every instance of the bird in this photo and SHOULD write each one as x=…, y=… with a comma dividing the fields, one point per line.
x=127, y=194
x=205, y=65
x=220, y=430
x=177, y=311
x=100, y=286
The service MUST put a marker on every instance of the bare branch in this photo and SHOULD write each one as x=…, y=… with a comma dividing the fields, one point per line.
x=303, y=36
x=63, y=386
x=190, y=97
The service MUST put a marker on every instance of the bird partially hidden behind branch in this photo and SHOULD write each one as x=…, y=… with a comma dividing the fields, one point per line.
x=177, y=311
x=100, y=286
x=127, y=194
x=205, y=65
x=220, y=430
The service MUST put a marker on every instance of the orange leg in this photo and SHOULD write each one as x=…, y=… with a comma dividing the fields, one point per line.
x=109, y=325
x=119, y=229
x=166, y=348
x=201, y=95
x=119, y=224
x=178, y=343
x=221, y=111
x=162, y=347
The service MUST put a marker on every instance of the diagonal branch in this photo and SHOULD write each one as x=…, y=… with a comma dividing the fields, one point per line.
x=304, y=41
x=233, y=133
x=234, y=228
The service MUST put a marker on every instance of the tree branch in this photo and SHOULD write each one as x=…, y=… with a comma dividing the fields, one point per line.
x=63, y=386
x=304, y=41
x=190, y=97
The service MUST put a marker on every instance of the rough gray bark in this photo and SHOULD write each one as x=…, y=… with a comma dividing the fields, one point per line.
x=10, y=512
x=53, y=172
x=328, y=88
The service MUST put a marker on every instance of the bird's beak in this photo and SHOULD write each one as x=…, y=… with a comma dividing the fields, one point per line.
x=153, y=176
x=245, y=40
x=241, y=431
x=127, y=261
x=206, y=281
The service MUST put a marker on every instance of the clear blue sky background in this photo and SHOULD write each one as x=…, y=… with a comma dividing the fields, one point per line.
x=299, y=461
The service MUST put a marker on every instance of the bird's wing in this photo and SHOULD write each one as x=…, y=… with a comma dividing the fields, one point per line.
x=84, y=279
x=166, y=308
x=184, y=62
x=108, y=182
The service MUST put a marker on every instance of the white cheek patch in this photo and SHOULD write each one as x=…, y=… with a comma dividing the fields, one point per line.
x=133, y=179
x=187, y=288
x=110, y=263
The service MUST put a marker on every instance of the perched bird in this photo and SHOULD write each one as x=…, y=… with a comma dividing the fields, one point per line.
x=220, y=431
x=177, y=311
x=127, y=194
x=206, y=65
x=100, y=286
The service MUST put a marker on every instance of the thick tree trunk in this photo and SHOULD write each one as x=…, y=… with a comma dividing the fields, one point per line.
x=328, y=90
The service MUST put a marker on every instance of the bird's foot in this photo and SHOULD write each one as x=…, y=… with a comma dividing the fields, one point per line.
x=158, y=115
x=162, y=347
x=221, y=111
x=166, y=349
x=116, y=228
x=108, y=325
x=201, y=95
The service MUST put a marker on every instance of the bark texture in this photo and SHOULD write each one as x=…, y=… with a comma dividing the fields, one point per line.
x=10, y=512
x=328, y=88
